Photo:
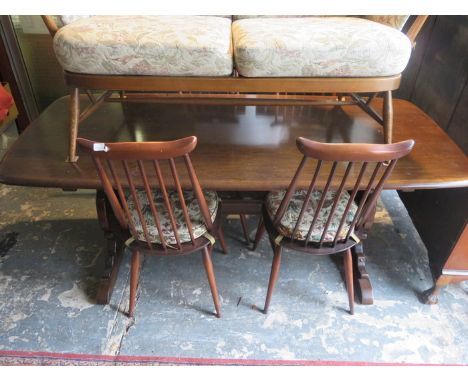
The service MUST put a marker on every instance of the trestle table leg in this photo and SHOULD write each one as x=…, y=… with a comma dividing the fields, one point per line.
x=114, y=250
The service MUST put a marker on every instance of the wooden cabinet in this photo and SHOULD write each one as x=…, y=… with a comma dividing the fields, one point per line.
x=436, y=80
x=441, y=218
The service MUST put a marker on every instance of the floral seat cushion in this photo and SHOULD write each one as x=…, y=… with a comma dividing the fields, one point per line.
x=193, y=208
x=318, y=47
x=288, y=222
x=146, y=45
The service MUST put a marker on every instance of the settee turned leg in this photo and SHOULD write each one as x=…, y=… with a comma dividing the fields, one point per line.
x=74, y=122
x=388, y=116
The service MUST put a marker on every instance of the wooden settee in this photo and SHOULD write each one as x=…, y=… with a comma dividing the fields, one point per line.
x=241, y=59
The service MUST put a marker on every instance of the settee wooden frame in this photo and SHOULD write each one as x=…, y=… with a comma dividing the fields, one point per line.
x=233, y=89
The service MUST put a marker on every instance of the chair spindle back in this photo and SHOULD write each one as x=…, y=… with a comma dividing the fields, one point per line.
x=138, y=168
x=377, y=160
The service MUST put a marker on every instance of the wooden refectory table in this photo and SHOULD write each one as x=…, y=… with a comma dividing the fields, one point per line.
x=241, y=148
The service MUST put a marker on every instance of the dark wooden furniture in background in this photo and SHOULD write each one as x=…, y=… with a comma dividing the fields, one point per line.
x=240, y=148
x=149, y=157
x=436, y=80
x=376, y=159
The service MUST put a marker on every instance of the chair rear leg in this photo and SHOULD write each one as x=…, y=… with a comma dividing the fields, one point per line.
x=134, y=277
x=211, y=278
x=259, y=234
x=275, y=266
x=74, y=122
x=222, y=242
x=348, y=267
x=244, y=228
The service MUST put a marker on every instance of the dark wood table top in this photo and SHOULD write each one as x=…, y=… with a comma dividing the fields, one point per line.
x=242, y=148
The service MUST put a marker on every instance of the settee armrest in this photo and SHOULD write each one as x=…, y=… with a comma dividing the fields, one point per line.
x=50, y=24
x=416, y=27
x=399, y=22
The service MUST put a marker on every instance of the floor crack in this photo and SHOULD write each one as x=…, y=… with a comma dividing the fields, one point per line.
x=122, y=323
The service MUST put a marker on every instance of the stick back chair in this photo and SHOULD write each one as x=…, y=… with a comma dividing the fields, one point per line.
x=142, y=183
x=329, y=219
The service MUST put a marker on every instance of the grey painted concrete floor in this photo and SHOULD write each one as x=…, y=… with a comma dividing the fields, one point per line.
x=50, y=261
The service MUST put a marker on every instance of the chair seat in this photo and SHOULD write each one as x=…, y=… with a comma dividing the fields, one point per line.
x=288, y=222
x=146, y=45
x=196, y=217
x=318, y=47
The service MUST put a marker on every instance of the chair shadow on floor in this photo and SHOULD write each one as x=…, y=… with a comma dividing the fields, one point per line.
x=162, y=287
x=306, y=291
x=77, y=248
x=54, y=250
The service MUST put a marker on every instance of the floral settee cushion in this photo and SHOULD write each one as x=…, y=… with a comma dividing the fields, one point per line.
x=318, y=47
x=264, y=45
x=193, y=208
x=290, y=217
x=146, y=45
x=394, y=21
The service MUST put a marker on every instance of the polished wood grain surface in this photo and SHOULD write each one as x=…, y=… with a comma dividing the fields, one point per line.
x=239, y=147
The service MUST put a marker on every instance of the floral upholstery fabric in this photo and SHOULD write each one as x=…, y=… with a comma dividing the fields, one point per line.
x=318, y=47
x=395, y=21
x=290, y=217
x=196, y=217
x=146, y=45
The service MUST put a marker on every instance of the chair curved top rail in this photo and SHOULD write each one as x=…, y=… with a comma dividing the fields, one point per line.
x=140, y=150
x=351, y=152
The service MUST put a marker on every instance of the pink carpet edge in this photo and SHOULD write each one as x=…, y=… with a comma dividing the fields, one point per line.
x=109, y=359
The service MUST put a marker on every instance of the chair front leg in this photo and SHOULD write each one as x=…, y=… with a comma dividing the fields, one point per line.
x=211, y=278
x=134, y=277
x=275, y=266
x=74, y=122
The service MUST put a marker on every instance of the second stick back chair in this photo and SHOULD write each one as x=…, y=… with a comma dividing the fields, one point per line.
x=142, y=183
x=326, y=217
